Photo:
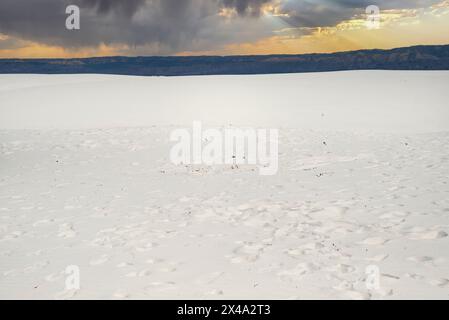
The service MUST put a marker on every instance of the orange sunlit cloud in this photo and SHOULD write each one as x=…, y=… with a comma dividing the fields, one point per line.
x=398, y=28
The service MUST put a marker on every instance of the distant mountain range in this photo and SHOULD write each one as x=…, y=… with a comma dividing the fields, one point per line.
x=410, y=58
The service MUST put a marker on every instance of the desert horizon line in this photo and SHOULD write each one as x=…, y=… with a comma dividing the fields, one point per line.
x=233, y=55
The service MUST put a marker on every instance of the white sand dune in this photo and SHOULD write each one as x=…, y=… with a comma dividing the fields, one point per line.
x=384, y=101
x=85, y=180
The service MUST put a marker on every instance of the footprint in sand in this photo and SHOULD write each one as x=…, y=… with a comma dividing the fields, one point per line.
x=144, y=273
x=355, y=295
x=422, y=259
x=120, y=294
x=124, y=264
x=249, y=252
x=378, y=258
x=66, y=231
x=36, y=253
x=12, y=272
x=214, y=293
x=36, y=266
x=341, y=268
x=141, y=273
x=429, y=235
x=99, y=261
x=154, y=261
x=295, y=253
x=167, y=269
x=42, y=222
x=300, y=270
x=383, y=292
x=13, y=235
x=374, y=241
x=441, y=283
x=394, y=215
x=54, y=276
x=344, y=285
x=305, y=249
x=332, y=213
x=414, y=276
x=146, y=247
x=160, y=286
x=209, y=278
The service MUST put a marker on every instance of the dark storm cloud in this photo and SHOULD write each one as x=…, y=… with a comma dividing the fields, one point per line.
x=126, y=7
x=170, y=26
x=33, y=20
x=104, y=21
x=244, y=7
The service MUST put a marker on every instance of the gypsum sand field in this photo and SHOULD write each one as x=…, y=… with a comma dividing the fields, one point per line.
x=95, y=188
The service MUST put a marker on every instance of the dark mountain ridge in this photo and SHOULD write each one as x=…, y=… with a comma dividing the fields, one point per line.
x=409, y=58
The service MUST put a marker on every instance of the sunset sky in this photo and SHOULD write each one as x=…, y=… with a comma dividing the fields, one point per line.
x=36, y=28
